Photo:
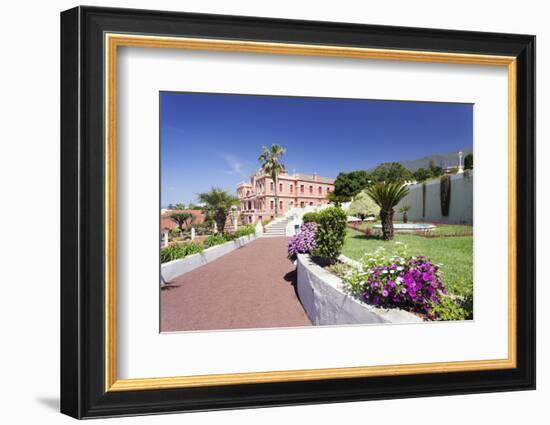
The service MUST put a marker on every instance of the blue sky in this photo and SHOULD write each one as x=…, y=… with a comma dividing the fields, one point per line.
x=215, y=139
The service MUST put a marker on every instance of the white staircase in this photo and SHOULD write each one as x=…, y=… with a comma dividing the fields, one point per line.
x=277, y=227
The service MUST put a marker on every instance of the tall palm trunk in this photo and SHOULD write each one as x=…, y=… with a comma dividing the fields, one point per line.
x=386, y=216
x=274, y=177
x=220, y=220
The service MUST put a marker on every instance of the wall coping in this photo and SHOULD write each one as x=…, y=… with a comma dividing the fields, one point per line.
x=326, y=303
x=175, y=268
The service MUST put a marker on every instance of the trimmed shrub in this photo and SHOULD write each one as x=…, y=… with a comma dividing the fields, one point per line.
x=445, y=194
x=310, y=217
x=331, y=232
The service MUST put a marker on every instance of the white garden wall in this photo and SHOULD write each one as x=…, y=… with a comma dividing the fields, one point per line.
x=461, y=207
x=325, y=302
x=175, y=268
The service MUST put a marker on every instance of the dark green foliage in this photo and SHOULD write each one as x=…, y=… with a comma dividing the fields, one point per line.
x=423, y=174
x=218, y=203
x=310, y=217
x=445, y=194
x=176, y=251
x=387, y=195
x=331, y=232
x=337, y=200
x=183, y=219
x=347, y=185
x=469, y=162
x=391, y=172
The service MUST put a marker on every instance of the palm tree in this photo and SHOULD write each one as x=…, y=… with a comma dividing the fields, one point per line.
x=182, y=219
x=387, y=195
x=404, y=210
x=218, y=203
x=272, y=166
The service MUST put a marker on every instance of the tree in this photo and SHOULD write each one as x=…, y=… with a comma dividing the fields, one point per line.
x=348, y=185
x=421, y=175
x=183, y=219
x=469, y=162
x=404, y=210
x=363, y=206
x=336, y=200
x=435, y=171
x=179, y=206
x=170, y=206
x=387, y=195
x=391, y=172
x=272, y=166
x=218, y=204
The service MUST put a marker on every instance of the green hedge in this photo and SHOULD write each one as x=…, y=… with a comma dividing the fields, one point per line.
x=310, y=217
x=176, y=251
x=331, y=232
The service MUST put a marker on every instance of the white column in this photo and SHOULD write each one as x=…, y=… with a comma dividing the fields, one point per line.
x=460, y=164
x=192, y=233
x=164, y=238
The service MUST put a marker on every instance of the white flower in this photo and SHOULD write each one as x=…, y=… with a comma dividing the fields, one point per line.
x=392, y=271
x=399, y=268
x=399, y=280
x=384, y=271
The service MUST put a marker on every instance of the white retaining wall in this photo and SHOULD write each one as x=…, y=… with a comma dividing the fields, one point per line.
x=326, y=303
x=176, y=268
x=460, y=208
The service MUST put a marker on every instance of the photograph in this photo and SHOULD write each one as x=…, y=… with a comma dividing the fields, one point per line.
x=289, y=211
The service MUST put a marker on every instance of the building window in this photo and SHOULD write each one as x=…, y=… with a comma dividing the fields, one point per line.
x=271, y=186
x=291, y=188
x=272, y=204
x=301, y=188
x=328, y=189
x=320, y=190
x=280, y=187
x=281, y=205
x=302, y=204
x=311, y=189
x=311, y=204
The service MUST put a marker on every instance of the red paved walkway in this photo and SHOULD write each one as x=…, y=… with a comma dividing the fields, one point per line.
x=251, y=287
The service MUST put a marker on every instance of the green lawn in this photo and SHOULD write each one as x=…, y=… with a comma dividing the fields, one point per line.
x=455, y=253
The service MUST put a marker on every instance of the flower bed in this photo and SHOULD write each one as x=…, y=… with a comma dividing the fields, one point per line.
x=326, y=302
x=411, y=283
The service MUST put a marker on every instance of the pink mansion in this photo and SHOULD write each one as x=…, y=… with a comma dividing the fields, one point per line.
x=257, y=196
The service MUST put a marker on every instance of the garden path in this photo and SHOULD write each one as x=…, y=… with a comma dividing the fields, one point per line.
x=251, y=287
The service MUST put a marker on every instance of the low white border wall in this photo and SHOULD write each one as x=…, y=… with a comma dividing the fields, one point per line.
x=326, y=303
x=176, y=268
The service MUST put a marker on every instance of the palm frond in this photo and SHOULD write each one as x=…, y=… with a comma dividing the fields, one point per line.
x=387, y=194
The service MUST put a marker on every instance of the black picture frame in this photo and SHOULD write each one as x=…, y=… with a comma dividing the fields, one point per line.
x=83, y=392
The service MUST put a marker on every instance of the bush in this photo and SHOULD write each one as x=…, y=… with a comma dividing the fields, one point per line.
x=411, y=283
x=249, y=229
x=303, y=242
x=214, y=240
x=310, y=217
x=331, y=232
x=175, y=251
